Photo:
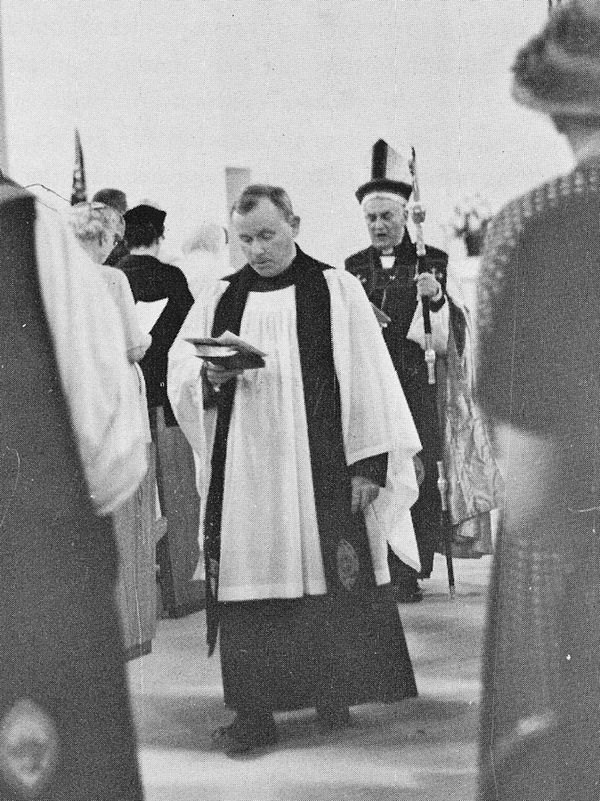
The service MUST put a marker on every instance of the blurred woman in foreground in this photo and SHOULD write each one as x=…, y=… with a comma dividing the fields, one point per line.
x=539, y=381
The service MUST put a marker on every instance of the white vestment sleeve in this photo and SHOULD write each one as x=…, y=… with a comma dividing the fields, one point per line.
x=118, y=285
x=89, y=342
x=440, y=322
x=375, y=418
x=184, y=387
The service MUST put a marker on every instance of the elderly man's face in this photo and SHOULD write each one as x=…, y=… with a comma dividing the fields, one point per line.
x=386, y=220
x=267, y=238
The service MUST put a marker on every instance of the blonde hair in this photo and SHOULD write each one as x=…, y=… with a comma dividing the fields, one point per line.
x=89, y=221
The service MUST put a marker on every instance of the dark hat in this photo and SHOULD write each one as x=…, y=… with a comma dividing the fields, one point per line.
x=141, y=215
x=558, y=71
x=112, y=197
x=389, y=173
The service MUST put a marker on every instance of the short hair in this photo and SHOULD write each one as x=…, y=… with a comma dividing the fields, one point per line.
x=253, y=194
x=143, y=233
x=144, y=225
x=89, y=220
x=112, y=197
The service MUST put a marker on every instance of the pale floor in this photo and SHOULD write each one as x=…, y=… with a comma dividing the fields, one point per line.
x=423, y=749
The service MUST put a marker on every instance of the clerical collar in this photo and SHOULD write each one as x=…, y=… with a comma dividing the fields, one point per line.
x=387, y=258
x=284, y=279
x=393, y=252
x=404, y=246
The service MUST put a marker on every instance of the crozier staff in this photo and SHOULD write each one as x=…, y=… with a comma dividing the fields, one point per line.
x=387, y=270
x=442, y=483
x=418, y=219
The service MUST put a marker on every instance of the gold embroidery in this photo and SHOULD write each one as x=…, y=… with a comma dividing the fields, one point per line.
x=348, y=566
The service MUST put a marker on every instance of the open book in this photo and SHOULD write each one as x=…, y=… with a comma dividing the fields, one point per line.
x=228, y=350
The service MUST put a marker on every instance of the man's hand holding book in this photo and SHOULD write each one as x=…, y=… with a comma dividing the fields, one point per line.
x=226, y=357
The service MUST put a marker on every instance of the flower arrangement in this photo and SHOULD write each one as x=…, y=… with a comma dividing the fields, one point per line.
x=469, y=222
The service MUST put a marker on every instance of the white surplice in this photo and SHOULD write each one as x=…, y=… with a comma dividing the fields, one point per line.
x=269, y=535
x=101, y=392
x=136, y=339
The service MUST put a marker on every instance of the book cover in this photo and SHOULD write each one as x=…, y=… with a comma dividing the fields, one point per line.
x=228, y=350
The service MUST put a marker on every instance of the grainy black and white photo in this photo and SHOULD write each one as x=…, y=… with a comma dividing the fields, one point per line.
x=299, y=400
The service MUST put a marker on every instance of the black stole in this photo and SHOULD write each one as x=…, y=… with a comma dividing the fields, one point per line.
x=331, y=477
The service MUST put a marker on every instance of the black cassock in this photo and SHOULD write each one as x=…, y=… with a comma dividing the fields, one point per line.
x=343, y=648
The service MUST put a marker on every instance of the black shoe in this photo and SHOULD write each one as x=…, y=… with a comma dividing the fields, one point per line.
x=246, y=733
x=411, y=594
x=335, y=718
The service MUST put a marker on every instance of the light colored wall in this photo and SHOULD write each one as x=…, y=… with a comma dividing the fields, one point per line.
x=3, y=143
x=236, y=178
x=166, y=94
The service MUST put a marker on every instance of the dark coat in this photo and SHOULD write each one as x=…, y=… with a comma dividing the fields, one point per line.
x=62, y=670
x=398, y=298
x=120, y=251
x=151, y=280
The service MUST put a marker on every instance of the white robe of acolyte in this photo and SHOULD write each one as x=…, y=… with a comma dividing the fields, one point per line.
x=269, y=535
x=101, y=392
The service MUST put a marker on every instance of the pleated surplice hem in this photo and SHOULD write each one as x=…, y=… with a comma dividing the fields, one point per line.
x=332, y=650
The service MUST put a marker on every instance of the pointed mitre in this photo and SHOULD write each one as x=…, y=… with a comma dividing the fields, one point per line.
x=390, y=174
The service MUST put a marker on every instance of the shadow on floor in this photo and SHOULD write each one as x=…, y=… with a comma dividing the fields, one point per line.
x=187, y=723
